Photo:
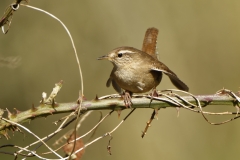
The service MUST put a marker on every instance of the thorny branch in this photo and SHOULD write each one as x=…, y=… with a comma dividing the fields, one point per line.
x=166, y=98
x=114, y=102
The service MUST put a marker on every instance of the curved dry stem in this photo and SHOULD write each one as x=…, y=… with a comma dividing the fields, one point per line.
x=223, y=91
x=106, y=134
x=26, y=129
x=76, y=139
x=76, y=56
x=14, y=154
x=70, y=36
x=60, y=128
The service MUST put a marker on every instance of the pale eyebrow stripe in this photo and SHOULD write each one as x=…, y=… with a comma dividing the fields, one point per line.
x=126, y=51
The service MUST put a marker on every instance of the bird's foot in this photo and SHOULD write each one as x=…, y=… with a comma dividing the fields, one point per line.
x=154, y=93
x=127, y=96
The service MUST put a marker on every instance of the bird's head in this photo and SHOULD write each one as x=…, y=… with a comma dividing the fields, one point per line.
x=121, y=56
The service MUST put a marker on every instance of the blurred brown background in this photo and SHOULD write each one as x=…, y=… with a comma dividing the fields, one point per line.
x=199, y=40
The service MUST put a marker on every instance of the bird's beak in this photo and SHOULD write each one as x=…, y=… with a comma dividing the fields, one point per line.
x=103, y=57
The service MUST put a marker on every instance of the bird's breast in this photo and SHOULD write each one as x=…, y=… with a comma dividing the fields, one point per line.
x=136, y=80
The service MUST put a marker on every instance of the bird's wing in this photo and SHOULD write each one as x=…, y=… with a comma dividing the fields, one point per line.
x=114, y=84
x=109, y=81
x=174, y=79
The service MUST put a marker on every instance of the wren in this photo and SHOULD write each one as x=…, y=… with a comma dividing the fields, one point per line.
x=135, y=71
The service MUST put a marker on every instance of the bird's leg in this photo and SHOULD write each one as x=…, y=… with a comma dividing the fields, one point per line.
x=154, y=93
x=127, y=96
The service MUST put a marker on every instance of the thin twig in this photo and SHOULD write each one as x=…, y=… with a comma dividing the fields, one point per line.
x=106, y=134
x=85, y=133
x=149, y=123
x=26, y=129
x=48, y=137
x=76, y=56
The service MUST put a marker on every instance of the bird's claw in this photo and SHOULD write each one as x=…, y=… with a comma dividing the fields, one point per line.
x=127, y=99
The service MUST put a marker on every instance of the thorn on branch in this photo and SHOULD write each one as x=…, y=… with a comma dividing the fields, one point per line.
x=53, y=103
x=178, y=109
x=17, y=111
x=119, y=113
x=9, y=114
x=33, y=109
x=96, y=98
x=1, y=112
x=81, y=98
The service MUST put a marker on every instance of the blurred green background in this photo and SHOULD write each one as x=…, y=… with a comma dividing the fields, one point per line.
x=199, y=40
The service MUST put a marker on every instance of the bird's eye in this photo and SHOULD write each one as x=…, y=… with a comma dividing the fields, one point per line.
x=119, y=55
